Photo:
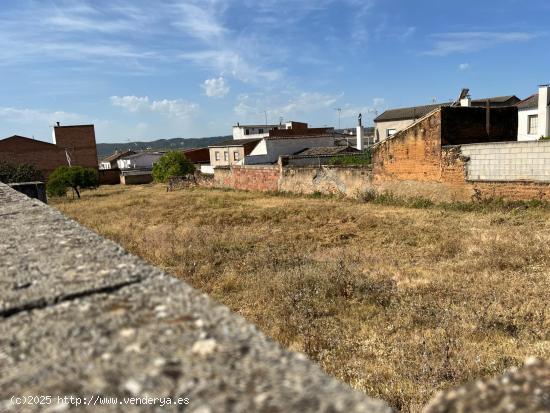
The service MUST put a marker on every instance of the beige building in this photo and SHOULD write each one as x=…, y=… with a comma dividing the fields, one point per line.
x=394, y=120
x=231, y=152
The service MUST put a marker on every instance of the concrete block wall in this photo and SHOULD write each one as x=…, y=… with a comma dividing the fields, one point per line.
x=508, y=161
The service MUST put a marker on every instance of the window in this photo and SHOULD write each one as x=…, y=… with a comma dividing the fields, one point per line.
x=247, y=132
x=217, y=155
x=390, y=133
x=235, y=156
x=532, y=124
x=225, y=156
x=261, y=131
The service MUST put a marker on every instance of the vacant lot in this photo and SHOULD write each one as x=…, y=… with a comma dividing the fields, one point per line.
x=398, y=302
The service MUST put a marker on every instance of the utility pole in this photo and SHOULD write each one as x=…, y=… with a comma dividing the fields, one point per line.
x=339, y=113
x=265, y=112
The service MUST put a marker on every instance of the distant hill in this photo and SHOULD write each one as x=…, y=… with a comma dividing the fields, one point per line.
x=105, y=149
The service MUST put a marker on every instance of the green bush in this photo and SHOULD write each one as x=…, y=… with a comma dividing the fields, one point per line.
x=75, y=177
x=10, y=173
x=352, y=159
x=172, y=163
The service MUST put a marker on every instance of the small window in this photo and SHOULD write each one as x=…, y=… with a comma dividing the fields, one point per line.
x=217, y=155
x=261, y=131
x=532, y=124
x=247, y=131
x=225, y=156
x=236, y=156
x=390, y=133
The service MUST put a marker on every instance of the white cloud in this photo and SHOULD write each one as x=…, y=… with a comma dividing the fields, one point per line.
x=215, y=87
x=231, y=62
x=26, y=115
x=172, y=108
x=378, y=101
x=198, y=22
x=463, y=66
x=298, y=104
x=466, y=42
x=130, y=103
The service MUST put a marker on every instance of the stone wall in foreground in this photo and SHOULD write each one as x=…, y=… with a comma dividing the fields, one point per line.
x=80, y=316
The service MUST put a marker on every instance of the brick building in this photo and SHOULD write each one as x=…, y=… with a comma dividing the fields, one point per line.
x=75, y=143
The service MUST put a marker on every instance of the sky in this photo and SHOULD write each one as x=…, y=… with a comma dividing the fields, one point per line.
x=144, y=70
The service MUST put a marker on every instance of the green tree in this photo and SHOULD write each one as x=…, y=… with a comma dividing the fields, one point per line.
x=172, y=163
x=75, y=177
x=10, y=173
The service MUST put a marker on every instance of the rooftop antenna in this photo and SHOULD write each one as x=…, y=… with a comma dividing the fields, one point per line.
x=339, y=113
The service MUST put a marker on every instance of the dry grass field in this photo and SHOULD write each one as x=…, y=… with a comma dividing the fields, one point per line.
x=398, y=302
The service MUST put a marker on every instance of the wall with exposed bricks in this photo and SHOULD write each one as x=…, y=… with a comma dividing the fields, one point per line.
x=413, y=163
x=256, y=178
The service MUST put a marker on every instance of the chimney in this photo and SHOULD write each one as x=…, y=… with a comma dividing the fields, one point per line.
x=58, y=124
x=466, y=101
x=543, y=115
x=360, y=133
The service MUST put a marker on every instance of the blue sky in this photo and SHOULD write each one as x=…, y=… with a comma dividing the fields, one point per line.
x=162, y=69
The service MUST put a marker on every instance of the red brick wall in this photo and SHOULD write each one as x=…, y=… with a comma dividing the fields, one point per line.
x=248, y=178
x=413, y=154
x=44, y=156
x=80, y=141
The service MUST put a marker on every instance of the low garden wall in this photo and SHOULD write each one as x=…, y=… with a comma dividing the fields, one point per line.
x=109, y=176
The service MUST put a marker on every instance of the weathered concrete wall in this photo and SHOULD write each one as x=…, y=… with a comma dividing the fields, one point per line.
x=349, y=181
x=135, y=178
x=81, y=317
x=508, y=161
x=223, y=177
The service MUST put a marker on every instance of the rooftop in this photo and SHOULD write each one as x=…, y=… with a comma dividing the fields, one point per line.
x=530, y=103
x=235, y=142
x=326, y=151
x=256, y=126
x=415, y=112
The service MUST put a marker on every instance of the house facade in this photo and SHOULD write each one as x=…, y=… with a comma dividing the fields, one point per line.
x=393, y=120
x=259, y=131
x=533, y=115
x=231, y=152
x=110, y=162
x=252, y=131
x=140, y=160
x=270, y=148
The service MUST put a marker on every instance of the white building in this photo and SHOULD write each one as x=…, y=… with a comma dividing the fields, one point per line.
x=270, y=148
x=259, y=131
x=141, y=160
x=533, y=115
x=252, y=131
